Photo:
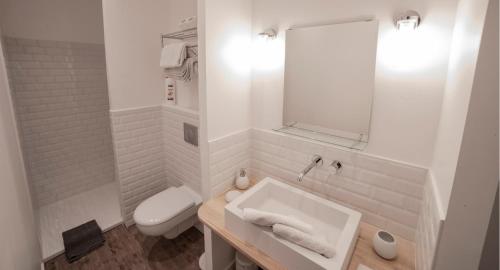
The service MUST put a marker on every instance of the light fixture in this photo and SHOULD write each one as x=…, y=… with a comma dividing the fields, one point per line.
x=268, y=34
x=268, y=51
x=410, y=20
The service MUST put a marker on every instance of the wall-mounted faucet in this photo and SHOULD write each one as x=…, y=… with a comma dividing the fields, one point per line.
x=337, y=165
x=315, y=162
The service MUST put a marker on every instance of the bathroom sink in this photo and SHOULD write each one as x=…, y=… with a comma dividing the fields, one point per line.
x=338, y=224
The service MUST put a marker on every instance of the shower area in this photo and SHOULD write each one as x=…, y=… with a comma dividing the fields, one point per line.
x=56, y=65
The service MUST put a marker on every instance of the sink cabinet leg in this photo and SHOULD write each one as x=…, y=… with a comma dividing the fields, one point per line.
x=219, y=255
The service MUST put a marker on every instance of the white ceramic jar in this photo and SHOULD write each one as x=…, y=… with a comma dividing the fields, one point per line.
x=385, y=245
x=242, y=181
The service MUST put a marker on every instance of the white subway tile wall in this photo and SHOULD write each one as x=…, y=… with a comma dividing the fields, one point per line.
x=61, y=100
x=387, y=193
x=182, y=160
x=428, y=229
x=138, y=145
x=227, y=156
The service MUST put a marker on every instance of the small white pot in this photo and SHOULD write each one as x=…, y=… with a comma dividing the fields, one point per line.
x=385, y=245
x=242, y=181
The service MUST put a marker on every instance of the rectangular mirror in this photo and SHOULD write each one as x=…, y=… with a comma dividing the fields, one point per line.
x=329, y=82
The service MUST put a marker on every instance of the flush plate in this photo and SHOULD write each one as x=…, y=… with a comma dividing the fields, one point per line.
x=191, y=134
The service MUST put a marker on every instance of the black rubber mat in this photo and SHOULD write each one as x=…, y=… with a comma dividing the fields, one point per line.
x=81, y=240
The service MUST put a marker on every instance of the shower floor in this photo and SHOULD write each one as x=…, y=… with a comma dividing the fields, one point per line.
x=101, y=204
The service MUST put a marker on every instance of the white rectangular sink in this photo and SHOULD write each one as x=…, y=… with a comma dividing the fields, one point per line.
x=337, y=223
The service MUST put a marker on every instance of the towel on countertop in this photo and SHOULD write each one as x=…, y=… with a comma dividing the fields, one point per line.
x=173, y=55
x=269, y=219
x=305, y=240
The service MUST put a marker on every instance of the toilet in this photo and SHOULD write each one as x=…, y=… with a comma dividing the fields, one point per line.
x=168, y=213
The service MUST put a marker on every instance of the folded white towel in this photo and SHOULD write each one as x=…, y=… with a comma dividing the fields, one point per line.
x=264, y=218
x=308, y=241
x=173, y=55
x=185, y=73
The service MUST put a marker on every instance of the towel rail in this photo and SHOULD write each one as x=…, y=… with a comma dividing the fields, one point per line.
x=180, y=35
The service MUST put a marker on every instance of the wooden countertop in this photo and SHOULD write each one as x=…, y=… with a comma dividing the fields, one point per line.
x=211, y=214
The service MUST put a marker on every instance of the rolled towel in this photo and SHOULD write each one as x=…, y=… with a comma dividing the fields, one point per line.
x=264, y=218
x=305, y=240
x=185, y=73
x=173, y=55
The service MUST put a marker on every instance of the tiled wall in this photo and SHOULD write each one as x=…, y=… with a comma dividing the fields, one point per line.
x=227, y=156
x=61, y=100
x=138, y=144
x=182, y=160
x=428, y=229
x=389, y=194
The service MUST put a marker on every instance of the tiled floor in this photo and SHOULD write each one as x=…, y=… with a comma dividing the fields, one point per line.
x=101, y=204
x=126, y=248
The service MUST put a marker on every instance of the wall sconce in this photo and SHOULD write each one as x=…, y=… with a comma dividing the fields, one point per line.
x=410, y=20
x=268, y=51
x=268, y=34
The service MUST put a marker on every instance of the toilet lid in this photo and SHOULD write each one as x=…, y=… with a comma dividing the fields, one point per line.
x=162, y=207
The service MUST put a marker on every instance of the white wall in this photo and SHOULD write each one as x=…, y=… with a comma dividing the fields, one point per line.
x=475, y=182
x=62, y=20
x=132, y=36
x=19, y=244
x=227, y=66
x=410, y=72
x=206, y=185
x=462, y=67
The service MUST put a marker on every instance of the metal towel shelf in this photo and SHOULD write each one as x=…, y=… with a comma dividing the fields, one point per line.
x=180, y=35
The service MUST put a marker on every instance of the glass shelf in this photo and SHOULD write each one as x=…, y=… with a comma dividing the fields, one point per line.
x=323, y=137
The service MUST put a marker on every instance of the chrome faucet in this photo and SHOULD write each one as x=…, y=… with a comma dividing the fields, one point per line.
x=315, y=162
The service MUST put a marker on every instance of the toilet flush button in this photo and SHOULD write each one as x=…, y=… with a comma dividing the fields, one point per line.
x=191, y=134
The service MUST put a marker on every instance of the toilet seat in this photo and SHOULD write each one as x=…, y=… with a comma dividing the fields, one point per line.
x=168, y=213
x=162, y=207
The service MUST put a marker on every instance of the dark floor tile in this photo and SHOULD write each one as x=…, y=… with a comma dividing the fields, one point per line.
x=128, y=249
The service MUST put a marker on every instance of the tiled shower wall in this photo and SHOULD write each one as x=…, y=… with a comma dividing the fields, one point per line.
x=387, y=193
x=138, y=144
x=61, y=100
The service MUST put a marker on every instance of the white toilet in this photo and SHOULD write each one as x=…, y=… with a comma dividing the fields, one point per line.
x=168, y=213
